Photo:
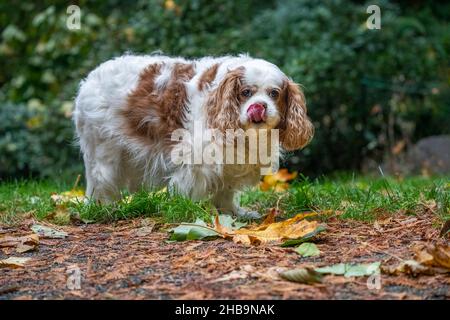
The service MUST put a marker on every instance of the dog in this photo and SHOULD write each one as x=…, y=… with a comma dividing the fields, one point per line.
x=128, y=108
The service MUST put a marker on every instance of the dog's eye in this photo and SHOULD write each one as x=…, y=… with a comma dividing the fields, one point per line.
x=274, y=93
x=246, y=93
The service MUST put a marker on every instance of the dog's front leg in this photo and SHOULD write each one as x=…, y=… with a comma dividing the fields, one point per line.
x=225, y=202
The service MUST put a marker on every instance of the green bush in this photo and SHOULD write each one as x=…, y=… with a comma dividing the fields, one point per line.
x=356, y=80
x=36, y=139
x=329, y=50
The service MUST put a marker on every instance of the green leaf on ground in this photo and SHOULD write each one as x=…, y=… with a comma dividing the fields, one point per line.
x=192, y=231
x=307, y=249
x=47, y=232
x=294, y=242
x=351, y=270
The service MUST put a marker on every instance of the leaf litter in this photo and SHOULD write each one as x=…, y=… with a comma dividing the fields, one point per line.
x=118, y=261
x=268, y=232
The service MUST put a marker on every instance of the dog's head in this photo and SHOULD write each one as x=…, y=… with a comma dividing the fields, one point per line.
x=260, y=96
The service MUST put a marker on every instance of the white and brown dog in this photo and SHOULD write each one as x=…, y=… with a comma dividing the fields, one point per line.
x=128, y=108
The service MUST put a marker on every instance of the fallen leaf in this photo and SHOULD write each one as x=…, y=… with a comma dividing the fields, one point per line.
x=307, y=249
x=28, y=243
x=146, y=227
x=290, y=243
x=302, y=275
x=270, y=217
x=144, y=231
x=351, y=270
x=47, y=232
x=429, y=259
x=277, y=181
x=13, y=262
x=24, y=248
x=74, y=196
x=226, y=223
x=226, y=227
x=436, y=255
x=22, y=243
x=410, y=267
x=274, y=212
x=193, y=231
x=291, y=229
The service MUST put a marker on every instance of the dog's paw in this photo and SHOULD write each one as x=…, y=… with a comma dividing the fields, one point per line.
x=248, y=214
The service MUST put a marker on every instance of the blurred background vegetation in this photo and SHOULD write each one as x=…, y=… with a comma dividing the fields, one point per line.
x=367, y=90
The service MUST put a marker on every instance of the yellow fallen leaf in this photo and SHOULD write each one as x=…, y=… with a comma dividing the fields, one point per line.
x=283, y=175
x=280, y=187
x=268, y=219
x=280, y=231
x=75, y=196
x=277, y=181
x=276, y=232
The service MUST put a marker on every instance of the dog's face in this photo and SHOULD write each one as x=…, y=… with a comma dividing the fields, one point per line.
x=260, y=96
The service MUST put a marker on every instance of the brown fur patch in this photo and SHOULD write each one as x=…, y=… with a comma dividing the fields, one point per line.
x=224, y=102
x=208, y=76
x=296, y=130
x=152, y=114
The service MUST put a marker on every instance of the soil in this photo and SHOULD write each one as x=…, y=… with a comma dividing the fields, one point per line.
x=133, y=260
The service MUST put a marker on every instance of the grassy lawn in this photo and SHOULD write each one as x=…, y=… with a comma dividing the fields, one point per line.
x=355, y=198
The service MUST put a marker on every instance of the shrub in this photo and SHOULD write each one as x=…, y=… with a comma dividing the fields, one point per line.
x=29, y=148
x=329, y=50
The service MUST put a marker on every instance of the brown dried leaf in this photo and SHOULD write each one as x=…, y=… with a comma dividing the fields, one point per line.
x=293, y=228
x=276, y=232
x=410, y=267
x=22, y=243
x=13, y=262
x=437, y=255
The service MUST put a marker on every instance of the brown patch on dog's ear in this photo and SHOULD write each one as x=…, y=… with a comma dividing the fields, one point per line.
x=152, y=114
x=296, y=130
x=208, y=76
x=223, y=103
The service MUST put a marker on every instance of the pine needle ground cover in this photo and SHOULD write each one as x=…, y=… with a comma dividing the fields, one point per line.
x=342, y=238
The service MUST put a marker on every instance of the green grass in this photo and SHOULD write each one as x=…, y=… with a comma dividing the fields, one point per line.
x=360, y=199
x=356, y=198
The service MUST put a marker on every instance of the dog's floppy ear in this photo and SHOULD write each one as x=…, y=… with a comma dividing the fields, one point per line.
x=296, y=130
x=223, y=103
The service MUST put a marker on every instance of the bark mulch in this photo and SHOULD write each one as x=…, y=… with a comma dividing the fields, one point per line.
x=134, y=260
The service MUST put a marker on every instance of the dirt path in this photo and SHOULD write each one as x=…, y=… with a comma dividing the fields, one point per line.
x=129, y=261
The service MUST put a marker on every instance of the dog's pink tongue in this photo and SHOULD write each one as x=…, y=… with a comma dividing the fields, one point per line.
x=256, y=112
